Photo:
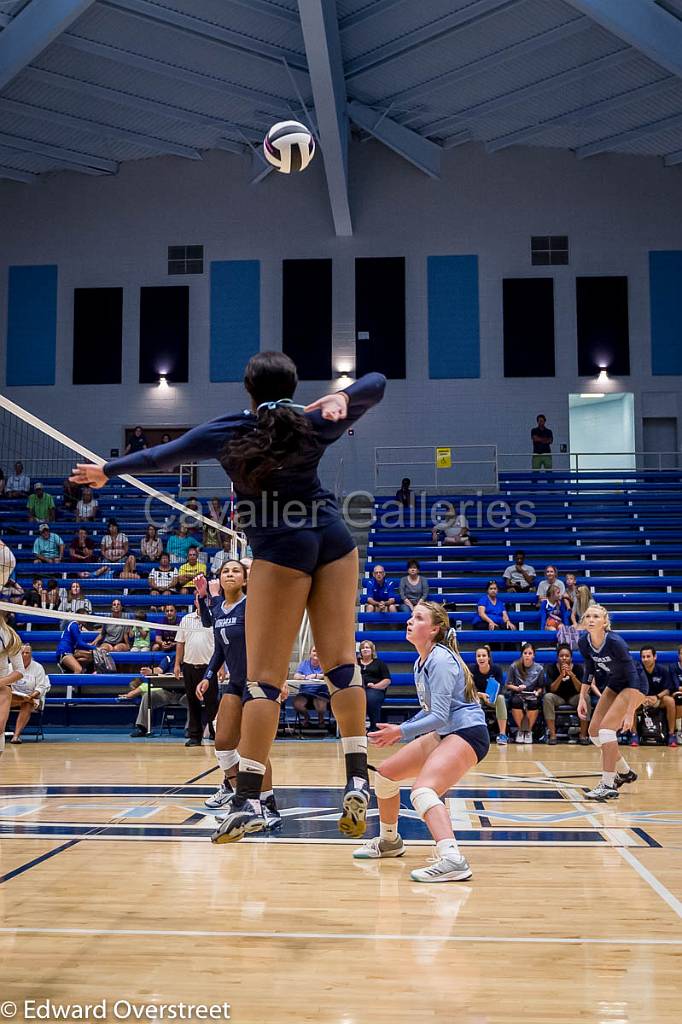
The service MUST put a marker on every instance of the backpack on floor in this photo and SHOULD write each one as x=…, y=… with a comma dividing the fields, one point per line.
x=652, y=726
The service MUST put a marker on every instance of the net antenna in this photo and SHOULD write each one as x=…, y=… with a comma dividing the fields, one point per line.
x=238, y=540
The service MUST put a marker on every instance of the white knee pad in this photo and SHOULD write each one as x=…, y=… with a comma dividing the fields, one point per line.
x=385, y=788
x=607, y=736
x=596, y=740
x=227, y=758
x=423, y=800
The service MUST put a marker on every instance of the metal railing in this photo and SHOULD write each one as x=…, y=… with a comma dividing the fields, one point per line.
x=473, y=468
x=576, y=462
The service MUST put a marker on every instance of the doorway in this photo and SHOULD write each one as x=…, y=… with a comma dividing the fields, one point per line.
x=602, y=431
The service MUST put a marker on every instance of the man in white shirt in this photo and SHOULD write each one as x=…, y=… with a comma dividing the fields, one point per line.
x=18, y=484
x=28, y=693
x=222, y=555
x=193, y=651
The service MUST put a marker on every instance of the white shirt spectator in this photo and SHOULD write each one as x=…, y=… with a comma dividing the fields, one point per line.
x=198, y=640
x=161, y=579
x=513, y=574
x=219, y=560
x=87, y=509
x=33, y=678
x=22, y=482
x=545, y=585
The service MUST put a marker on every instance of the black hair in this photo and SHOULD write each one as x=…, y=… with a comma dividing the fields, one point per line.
x=490, y=583
x=37, y=579
x=564, y=647
x=279, y=433
x=519, y=551
x=541, y=416
x=413, y=561
x=647, y=647
x=406, y=480
x=112, y=522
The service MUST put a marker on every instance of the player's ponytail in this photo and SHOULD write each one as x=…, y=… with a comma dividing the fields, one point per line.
x=10, y=641
x=446, y=635
x=281, y=431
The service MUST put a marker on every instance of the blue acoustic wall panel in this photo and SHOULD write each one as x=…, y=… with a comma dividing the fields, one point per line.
x=31, y=325
x=454, y=328
x=235, y=317
x=665, y=286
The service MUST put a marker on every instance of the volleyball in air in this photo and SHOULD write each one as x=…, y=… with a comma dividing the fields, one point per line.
x=289, y=146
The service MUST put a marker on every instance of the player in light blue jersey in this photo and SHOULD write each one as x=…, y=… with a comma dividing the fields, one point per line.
x=446, y=738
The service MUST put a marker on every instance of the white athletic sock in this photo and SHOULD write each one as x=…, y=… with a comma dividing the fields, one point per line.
x=227, y=759
x=389, y=832
x=609, y=779
x=678, y=724
x=247, y=765
x=447, y=847
x=622, y=767
x=354, y=744
x=269, y=793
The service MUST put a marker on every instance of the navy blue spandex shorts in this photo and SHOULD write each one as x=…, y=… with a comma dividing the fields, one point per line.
x=305, y=549
x=618, y=687
x=476, y=736
x=231, y=689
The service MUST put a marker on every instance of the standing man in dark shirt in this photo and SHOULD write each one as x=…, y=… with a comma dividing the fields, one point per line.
x=542, y=439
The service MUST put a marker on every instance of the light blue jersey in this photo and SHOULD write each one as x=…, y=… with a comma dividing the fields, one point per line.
x=440, y=687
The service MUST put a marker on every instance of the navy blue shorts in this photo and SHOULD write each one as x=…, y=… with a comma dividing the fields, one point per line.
x=477, y=737
x=231, y=689
x=305, y=549
x=642, y=686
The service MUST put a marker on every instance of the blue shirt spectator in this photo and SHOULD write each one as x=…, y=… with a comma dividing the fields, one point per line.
x=491, y=613
x=48, y=546
x=381, y=595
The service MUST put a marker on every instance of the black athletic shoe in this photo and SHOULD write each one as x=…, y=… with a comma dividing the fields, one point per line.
x=624, y=778
x=245, y=816
x=356, y=797
x=273, y=819
x=139, y=730
x=192, y=743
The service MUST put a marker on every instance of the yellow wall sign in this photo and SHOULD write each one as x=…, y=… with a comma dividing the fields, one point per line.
x=443, y=458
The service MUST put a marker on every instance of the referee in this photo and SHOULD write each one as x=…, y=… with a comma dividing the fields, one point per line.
x=193, y=651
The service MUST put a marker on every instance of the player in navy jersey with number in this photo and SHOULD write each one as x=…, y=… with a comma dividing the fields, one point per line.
x=609, y=662
x=226, y=613
x=444, y=740
x=304, y=557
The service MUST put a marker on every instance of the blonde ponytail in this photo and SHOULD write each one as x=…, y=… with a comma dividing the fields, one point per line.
x=10, y=640
x=446, y=635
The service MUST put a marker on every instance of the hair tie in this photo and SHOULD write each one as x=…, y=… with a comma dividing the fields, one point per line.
x=281, y=402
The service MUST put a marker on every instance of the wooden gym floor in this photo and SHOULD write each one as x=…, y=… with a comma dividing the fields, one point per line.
x=110, y=889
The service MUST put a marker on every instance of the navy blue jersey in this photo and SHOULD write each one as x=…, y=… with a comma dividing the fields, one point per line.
x=612, y=664
x=296, y=481
x=675, y=677
x=658, y=680
x=228, y=638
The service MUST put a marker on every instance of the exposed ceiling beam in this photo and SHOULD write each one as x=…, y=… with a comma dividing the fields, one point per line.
x=492, y=61
x=622, y=138
x=127, y=99
x=528, y=92
x=436, y=30
x=323, y=49
x=32, y=30
x=269, y=8
x=413, y=147
x=230, y=146
x=581, y=114
x=97, y=128
x=643, y=24
x=190, y=24
x=260, y=168
x=14, y=175
x=459, y=139
x=672, y=159
x=83, y=161
x=166, y=69
x=370, y=11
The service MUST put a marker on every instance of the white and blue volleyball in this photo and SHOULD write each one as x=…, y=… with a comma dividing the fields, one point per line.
x=289, y=146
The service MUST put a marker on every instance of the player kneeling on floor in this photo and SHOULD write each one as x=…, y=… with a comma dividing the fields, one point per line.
x=444, y=741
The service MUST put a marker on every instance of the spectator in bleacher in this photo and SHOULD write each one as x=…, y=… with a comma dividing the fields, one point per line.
x=129, y=570
x=18, y=483
x=114, y=636
x=163, y=579
x=482, y=672
x=54, y=594
x=519, y=577
x=29, y=692
x=454, y=529
x=48, y=546
x=40, y=505
x=142, y=640
x=193, y=651
x=86, y=509
x=660, y=690
x=551, y=579
x=74, y=653
x=164, y=639
x=570, y=593
x=114, y=543
x=35, y=597
x=143, y=687
x=404, y=493
x=564, y=680
x=552, y=611
x=179, y=544
x=151, y=545
x=381, y=592
x=223, y=555
x=82, y=547
x=187, y=572
x=542, y=438
x=74, y=602
x=525, y=683
x=137, y=442
x=71, y=495
x=491, y=612
x=315, y=694
x=583, y=600
x=413, y=587
x=376, y=679
x=216, y=512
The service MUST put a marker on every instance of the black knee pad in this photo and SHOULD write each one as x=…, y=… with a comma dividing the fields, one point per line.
x=261, y=691
x=343, y=676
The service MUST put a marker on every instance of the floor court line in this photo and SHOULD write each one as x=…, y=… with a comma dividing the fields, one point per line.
x=644, y=873
x=563, y=940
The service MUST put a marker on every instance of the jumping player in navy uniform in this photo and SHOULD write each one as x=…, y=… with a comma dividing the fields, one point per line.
x=609, y=662
x=444, y=740
x=226, y=613
x=304, y=557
